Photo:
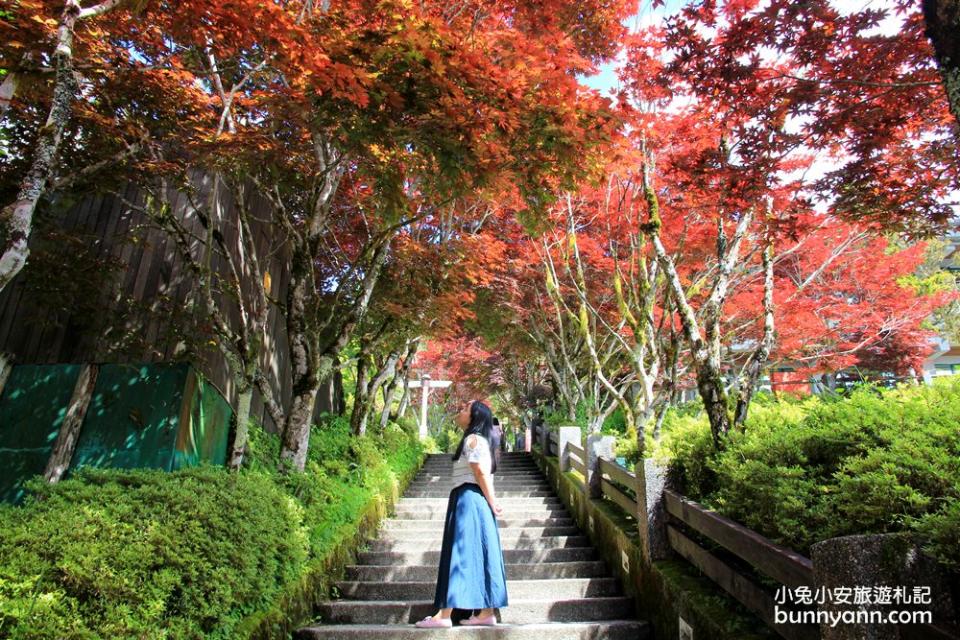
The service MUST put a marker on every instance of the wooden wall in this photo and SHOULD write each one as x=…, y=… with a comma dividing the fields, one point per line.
x=151, y=310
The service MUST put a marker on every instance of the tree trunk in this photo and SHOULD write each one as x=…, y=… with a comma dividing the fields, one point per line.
x=303, y=363
x=296, y=432
x=395, y=385
x=389, y=370
x=404, y=402
x=310, y=362
x=751, y=377
x=714, y=396
x=242, y=418
x=943, y=29
x=296, y=435
x=390, y=392
x=16, y=221
x=361, y=396
x=66, y=443
x=5, y=368
x=658, y=423
x=407, y=369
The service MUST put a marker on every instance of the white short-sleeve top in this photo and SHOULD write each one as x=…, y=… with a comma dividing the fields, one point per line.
x=479, y=452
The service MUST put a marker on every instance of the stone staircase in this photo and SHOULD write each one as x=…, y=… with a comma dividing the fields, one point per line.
x=558, y=588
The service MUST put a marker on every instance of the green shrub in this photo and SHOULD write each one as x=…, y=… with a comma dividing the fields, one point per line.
x=132, y=554
x=448, y=438
x=615, y=423
x=941, y=531
x=188, y=554
x=805, y=470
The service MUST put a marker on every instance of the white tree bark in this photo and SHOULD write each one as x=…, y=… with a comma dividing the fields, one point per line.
x=16, y=220
x=66, y=442
x=8, y=89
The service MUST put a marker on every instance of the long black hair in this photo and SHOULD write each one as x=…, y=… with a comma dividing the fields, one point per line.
x=481, y=424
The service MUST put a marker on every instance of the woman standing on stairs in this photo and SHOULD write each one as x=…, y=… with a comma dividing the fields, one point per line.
x=471, y=574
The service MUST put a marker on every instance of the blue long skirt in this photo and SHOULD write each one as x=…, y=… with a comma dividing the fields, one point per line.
x=471, y=572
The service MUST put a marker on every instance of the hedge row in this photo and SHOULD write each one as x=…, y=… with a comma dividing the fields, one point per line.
x=197, y=553
x=804, y=470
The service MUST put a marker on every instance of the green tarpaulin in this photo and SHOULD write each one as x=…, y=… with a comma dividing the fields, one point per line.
x=162, y=416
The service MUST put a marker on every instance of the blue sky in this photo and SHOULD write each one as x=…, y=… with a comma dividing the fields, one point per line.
x=606, y=78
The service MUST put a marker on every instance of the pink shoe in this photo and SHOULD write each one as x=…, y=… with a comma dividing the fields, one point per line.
x=432, y=623
x=486, y=621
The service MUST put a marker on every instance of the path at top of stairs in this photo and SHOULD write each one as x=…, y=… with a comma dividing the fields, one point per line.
x=558, y=587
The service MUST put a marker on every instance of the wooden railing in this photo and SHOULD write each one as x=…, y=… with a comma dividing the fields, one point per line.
x=578, y=459
x=728, y=553
x=693, y=530
x=613, y=480
x=783, y=565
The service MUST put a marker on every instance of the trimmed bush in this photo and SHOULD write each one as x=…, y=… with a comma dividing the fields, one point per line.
x=805, y=470
x=188, y=554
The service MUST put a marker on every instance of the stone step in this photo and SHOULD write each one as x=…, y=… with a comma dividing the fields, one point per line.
x=500, y=473
x=540, y=571
x=511, y=512
x=503, y=464
x=499, y=492
x=559, y=588
x=502, y=469
x=505, y=502
x=564, y=588
x=498, y=480
x=446, y=485
x=435, y=543
x=446, y=476
x=607, y=630
x=506, y=534
x=520, y=455
x=507, y=456
x=396, y=524
x=519, y=611
x=510, y=556
x=433, y=481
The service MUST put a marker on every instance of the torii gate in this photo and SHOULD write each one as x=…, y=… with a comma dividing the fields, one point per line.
x=426, y=383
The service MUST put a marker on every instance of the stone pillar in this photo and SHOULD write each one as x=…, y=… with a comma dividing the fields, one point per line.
x=425, y=390
x=565, y=435
x=527, y=439
x=651, y=512
x=882, y=560
x=598, y=446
